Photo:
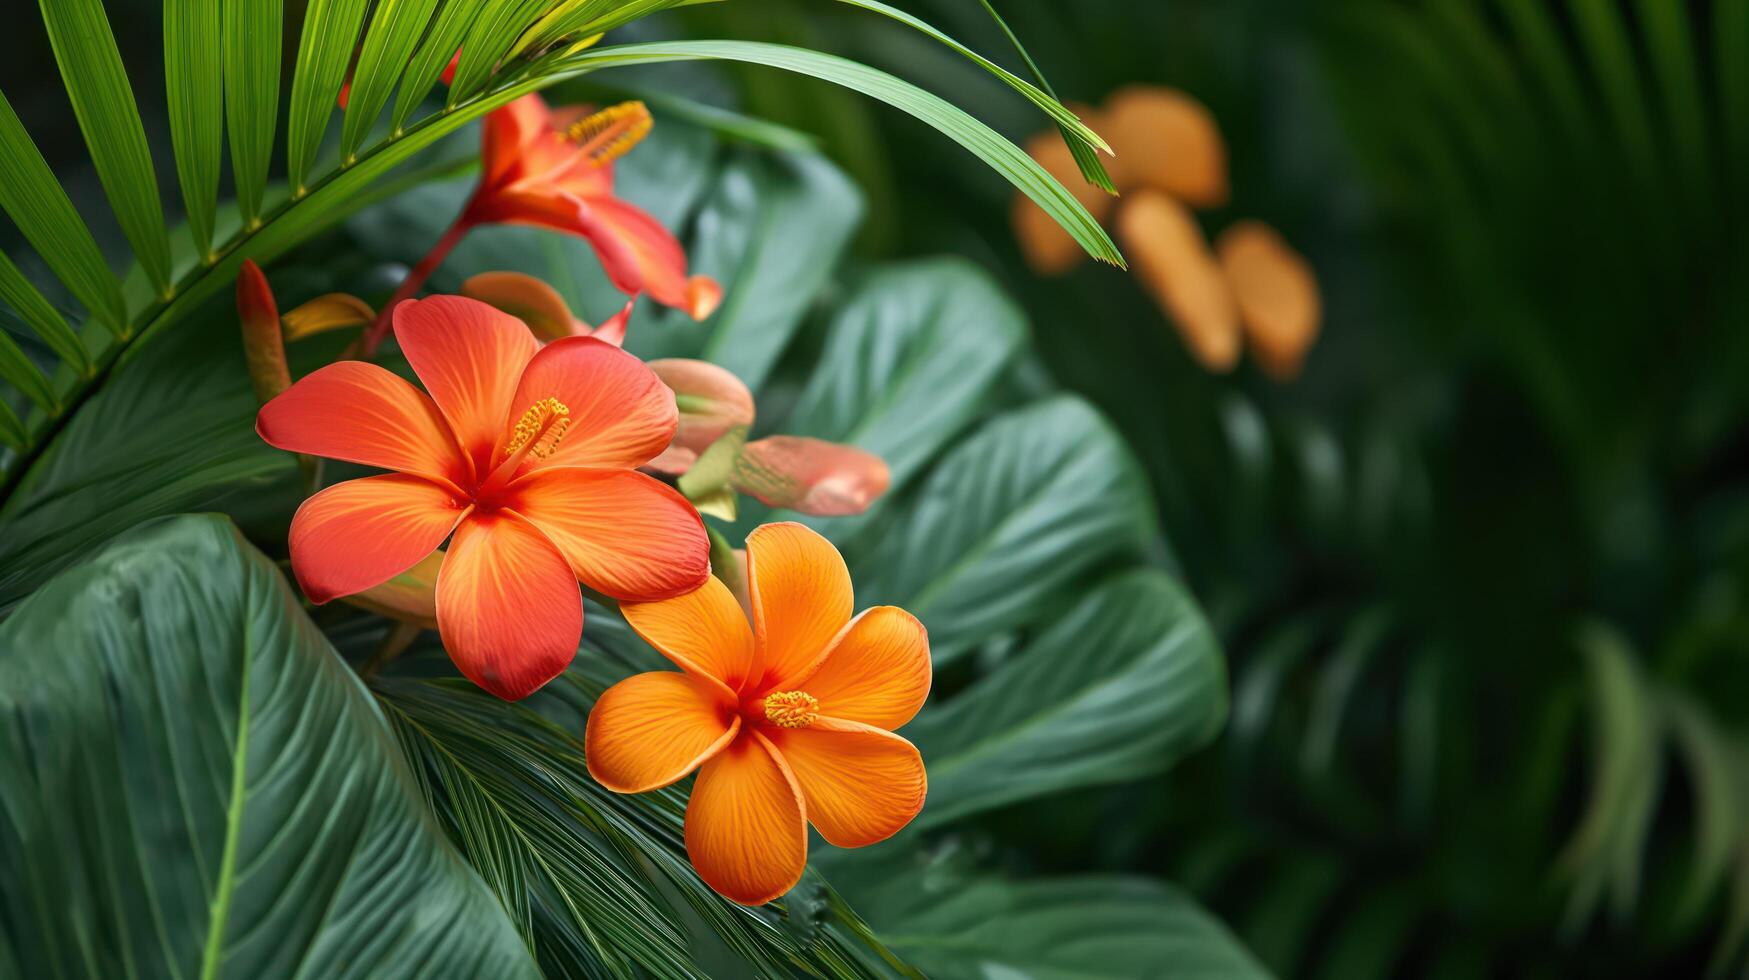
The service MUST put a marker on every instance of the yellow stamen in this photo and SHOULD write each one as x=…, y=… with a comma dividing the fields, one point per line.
x=540, y=428
x=606, y=135
x=791, y=709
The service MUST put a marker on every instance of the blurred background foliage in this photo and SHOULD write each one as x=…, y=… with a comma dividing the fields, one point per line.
x=1480, y=571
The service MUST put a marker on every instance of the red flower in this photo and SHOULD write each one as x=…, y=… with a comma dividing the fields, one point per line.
x=554, y=169
x=528, y=455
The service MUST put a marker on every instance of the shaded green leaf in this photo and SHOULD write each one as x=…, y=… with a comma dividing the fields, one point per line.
x=18, y=370
x=24, y=298
x=195, y=785
x=103, y=102
x=444, y=36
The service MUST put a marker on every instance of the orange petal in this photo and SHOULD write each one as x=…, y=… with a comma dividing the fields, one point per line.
x=1173, y=261
x=703, y=296
x=1048, y=249
x=1167, y=141
x=506, y=133
x=744, y=828
x=648, y=260
x=861, y=784
x=877, y=673
x=361, y=413
x=801, y=598
x=711, y=401
x=613, y=329
x=331, y=311
x=361, y=533
x=653, y=729
x=1277, y=294
x=703, y=631
x=621, y=414
x=526, y=298
x=813, y=476
x=507, y=605
x=625, y=534
x=470, y=357
x=410, y=597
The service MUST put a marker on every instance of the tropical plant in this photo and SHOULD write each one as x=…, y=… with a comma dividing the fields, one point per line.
x=197, y=781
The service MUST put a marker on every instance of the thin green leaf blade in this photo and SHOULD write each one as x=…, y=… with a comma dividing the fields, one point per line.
x=18, y=293
x=12, y=432
x=325, y=47
x=193, y=80
x=252, y=38
x=488, y=40
x=446, y=33
x=955, y=123
x=40, y=208
x=103, y=102
x=395, y=28
x=17, y=368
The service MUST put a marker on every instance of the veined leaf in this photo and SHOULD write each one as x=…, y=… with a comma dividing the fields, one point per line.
x=194, y=784
x=17, y=369
x=252, y=38
x=325, y=48
x=496, y=27
x=445, y=35
x=18, y=293
x=1033, y=502
x=103, y=102
x=193, y=80
x=395, y=27
x=1119, y=687
x=39, y=207
x=953, y=122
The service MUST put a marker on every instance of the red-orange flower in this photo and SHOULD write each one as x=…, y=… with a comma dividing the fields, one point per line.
x=527, y=454
x=554, y=168
x=788, y=722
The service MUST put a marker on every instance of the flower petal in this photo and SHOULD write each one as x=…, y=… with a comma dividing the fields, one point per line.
x=826, y=479
x=621, y=414
x=647, y=257
x=470, y=357
x=745, y=832
x=861, y=784
x=703, y=631
x=361, y=413
x=330, y=311
x=625, y=534
x=361, y=533
x=1277, y=293
x=801, y=598
x=877, y=673
x=1173, y=261
x=651, y=730
x=1167, y=141
x=711, y=401
x=506, y=135
x=507, y=605
x=528, y=299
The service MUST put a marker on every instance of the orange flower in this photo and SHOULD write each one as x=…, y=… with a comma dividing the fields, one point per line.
x=542, y=308
x=554, y=168
x=527, y=454
x=788, y=722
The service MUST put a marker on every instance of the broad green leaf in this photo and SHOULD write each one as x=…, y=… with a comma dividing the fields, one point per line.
x=103, y=102
x=444, y=36
x=18, y=293
x=252, y=40
x=329, y=36
x=1086, y=927
x=494, y=30
x=1119, y=687
x=193, y=80
x=39, y=207
x=194, y=784
x=395, y=28
x=172, y=430
x=1032, y=503
x=18, y=370
x=1004, y=157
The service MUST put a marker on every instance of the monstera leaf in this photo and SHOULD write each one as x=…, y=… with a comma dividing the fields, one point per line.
x=193, y=784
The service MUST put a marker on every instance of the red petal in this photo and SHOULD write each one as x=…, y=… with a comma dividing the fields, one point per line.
x=361, y=413
x=361, y=533
x=625, y=534
x=621, y=414
x=507, y=605
x=470, y=357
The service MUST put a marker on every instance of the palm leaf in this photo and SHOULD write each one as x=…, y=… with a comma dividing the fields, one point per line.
x=330, y=31
x=193, y=76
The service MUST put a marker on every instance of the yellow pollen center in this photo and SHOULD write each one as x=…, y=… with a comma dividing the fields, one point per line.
x=540, y=428
x=791, y=709
x=606, y=135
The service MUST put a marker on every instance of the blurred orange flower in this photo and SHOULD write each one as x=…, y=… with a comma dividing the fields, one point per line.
x=527, y=455
x=787, y=722
x=1169, y=157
